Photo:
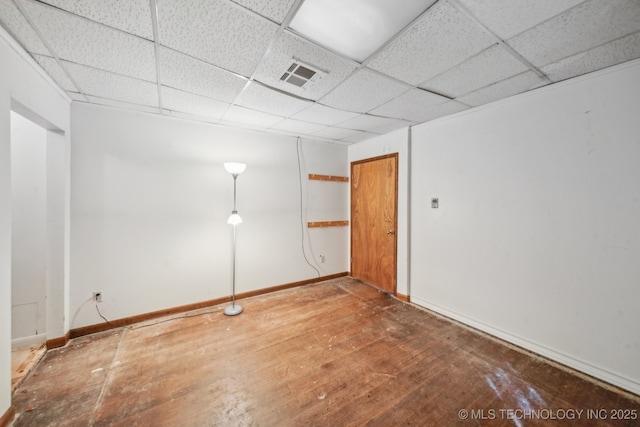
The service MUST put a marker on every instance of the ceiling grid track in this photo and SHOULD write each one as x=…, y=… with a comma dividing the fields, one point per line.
x=438, y=58
x=156, y=43
x=50, y=49
x=502, y=43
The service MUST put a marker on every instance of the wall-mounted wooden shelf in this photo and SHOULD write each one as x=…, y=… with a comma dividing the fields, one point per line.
x=316, y=177
x=327, y=224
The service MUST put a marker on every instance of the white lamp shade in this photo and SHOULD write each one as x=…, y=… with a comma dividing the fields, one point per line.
x=234, y=219
x=235, y=168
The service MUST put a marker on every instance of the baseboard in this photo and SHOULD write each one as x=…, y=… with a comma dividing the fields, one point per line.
x=590, y=371
x=100, y=327
x=28, y=341
x=7, y=417
x=58, y=342
x=403, y=297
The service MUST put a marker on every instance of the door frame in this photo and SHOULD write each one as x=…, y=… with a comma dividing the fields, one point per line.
x=395, y=210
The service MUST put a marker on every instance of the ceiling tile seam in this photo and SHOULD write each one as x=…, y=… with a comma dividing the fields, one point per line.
x=277, y=35
x=153, y=5
x=164, y=85
x=502, y=43
x=50, y=49
x=399, y=33
x=448, y=70
x=549, y=19
x=84, y=18
x=310, y=123
x=386, y=76
x=233, y=73
x=257, y=111
x=275, y=38
x=358, y=66
x=119, y=100
x=494, y=84
x=253, y=12
x=295, y=7
x=283, y=92
x=592, y=48
x=104, y=71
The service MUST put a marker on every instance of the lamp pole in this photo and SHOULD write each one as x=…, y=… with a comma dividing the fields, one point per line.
x=234, y=169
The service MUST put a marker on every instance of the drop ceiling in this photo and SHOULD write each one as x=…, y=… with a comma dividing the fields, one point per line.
x=223, y=61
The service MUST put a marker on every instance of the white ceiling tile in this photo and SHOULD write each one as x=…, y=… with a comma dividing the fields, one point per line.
x=217, y=31
x=394, y=125
x=245, y=115
x=51, y=66
x=356, y=94
x=438, y=40
x=489, y=66
x=506, y=18
x=244, y=126
x=324, y=115
x=616, y=52
x=440, y=110
x=410, y=105
x=288, y=47
x=123, y=105
x=132, y=16
x=84, y=42
x=189, y=103
x=275, y=10
x=508, y=87
x=359, y=137
x=335, y=133
x=259, y=97
x=15, y=23
x=113, y=86
x=587, y=25
x=366, y=122
x=192, y=75
x=297, y=126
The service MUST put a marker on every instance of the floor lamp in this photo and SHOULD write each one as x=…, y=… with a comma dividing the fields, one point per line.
x=234, y=169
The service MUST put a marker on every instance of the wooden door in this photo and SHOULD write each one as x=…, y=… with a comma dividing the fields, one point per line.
x=374, y=215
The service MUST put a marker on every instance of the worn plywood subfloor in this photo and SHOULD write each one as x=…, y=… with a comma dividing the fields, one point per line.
x=330, y=354
x=23, y=360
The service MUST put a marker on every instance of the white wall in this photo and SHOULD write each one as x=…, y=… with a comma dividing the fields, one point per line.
x=150, y=203
x=24, y=88
x=394, y=142
x=537, y=238
x=29, y=229
x=325, y=201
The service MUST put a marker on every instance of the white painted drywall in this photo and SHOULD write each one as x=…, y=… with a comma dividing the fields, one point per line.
x=537, y=238
x=150, y=203
x=25, y=88
x=394, y=142
x=29, y=228
x=325, y=201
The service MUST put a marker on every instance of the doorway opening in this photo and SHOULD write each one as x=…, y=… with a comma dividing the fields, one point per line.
x=39, y=242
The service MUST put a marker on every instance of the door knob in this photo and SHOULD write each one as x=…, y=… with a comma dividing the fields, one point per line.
x=390, y=232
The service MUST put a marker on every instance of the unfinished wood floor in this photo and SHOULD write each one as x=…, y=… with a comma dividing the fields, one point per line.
x=331, y=354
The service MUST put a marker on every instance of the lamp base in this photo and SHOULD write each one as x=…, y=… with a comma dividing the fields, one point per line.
x=233, y=310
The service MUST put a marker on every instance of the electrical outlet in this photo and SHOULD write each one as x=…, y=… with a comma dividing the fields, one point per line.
x=97, y=296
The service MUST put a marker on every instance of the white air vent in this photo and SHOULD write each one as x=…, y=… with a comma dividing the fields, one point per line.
x=301, y=75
